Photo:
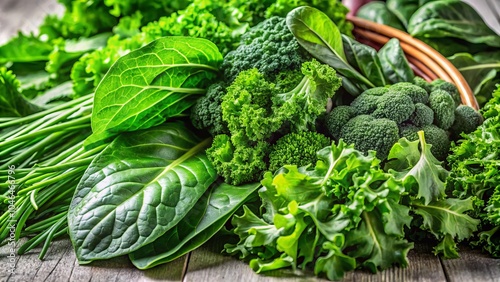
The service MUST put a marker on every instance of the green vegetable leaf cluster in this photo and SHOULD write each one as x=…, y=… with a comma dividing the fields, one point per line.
x=474, y=173
x=257, y=111
x=342, y=214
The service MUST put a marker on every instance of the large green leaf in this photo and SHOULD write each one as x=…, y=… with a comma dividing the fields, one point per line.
x=151, y=84
x=451, y=18
x=205, y=219
x=377, y=11
x=482, y=72
x=394, y=63
x=404, y=9
x=316, y=32
x=366, y=59
x=139, y=187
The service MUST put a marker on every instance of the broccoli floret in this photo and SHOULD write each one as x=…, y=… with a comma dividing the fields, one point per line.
x=409, y=131
x=435, y=136
x=394, y=106
x=418, y=81
x=367, y=102
x=237, y=163
x=416, y=93
x=369, y=133
x=297, y=149
x=449, y=87
x=423, y=115
x=337, y=118
x=207, y=112
x=439, y=140
x=466, y=120
x=444, y=108
x=269, y=46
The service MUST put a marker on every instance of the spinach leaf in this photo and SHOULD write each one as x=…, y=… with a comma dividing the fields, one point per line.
x=364, y=58
x=451, y=18
x=394, y=64
x=404, y=9
x=482, y=72
x=316, y=33
x=151, y=84
x=377, y=11
x=205, y=219
x=136, y=189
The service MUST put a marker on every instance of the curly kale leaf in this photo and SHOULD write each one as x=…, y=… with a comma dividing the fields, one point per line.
x=319, y=217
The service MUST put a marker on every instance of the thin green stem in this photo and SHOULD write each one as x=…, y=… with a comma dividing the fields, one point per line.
x=78, y=123
x=65, y=166
x=481, y=66
x=84, y=100
x=56, y=179
x=34, y=149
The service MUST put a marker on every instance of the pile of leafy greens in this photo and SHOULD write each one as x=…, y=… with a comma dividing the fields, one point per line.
x=348, y=212
x=454, y=29
x=474, y=166
x=98, y=114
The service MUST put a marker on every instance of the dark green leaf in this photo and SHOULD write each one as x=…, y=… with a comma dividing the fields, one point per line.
x=365, y=58
x=205, y=219
x=404, y=9
x=316, y=32
x=151, y=84
x=136, y=189
x=480, y=71
x=377, y=11
x=394, y=63
x=451, y=18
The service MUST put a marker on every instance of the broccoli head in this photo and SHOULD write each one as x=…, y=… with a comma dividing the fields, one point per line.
x=444, y=108
x=408, y=131
x=269, y=46
x=394, y=106
x=416, y=93
x=237, y=163
x=435, y=136
x=207, y=112
x=369, y=133
x=423, y=115
x=418, y=81
x=466, y=120
x=449, y=87
x=367, y=102
x=439, y=139
x=297, y=149
x=337, y=118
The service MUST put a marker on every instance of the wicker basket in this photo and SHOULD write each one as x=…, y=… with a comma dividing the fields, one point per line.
x=426, y=62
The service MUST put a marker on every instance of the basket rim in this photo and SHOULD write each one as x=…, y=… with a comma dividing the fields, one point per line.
x=419, y=51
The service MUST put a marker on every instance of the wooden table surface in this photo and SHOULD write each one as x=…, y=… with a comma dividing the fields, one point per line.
x=206, y=263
